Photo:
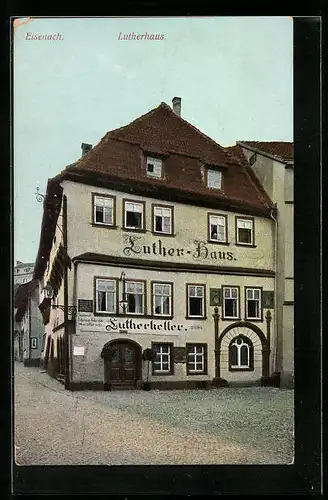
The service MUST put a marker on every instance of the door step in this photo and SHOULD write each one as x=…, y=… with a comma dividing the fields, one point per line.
x=122, y=387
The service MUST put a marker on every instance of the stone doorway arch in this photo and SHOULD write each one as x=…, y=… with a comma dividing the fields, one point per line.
x=122, y=364
x=254, y=334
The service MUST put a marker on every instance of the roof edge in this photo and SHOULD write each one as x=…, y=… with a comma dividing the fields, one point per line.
x=159, y=191
x=51, y=208
x=264, y=153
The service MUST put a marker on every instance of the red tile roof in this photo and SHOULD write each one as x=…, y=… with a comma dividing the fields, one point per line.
x=120, y=153
x=282, y=150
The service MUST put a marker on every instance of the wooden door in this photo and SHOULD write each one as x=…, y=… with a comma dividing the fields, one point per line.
x=121, y=365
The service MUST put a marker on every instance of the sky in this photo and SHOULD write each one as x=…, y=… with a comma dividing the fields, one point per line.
x=233, y=74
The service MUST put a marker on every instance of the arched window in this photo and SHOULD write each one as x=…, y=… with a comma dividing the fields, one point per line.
x=241, y=354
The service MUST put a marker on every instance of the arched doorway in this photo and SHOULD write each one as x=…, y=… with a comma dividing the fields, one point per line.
x=122, y=364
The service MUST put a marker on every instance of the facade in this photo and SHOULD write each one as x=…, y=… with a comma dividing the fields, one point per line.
x=273, y=164
x=157, y=238
x=28, y=341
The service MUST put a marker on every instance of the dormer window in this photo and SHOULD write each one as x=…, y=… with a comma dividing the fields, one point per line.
x=154, y=167
x=214, y=178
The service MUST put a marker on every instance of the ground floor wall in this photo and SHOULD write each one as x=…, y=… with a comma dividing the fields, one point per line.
x=287, y=372
x=182, y=333
x=196, y=351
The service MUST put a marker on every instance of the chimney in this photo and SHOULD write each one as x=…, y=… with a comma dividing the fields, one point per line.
x=85, y=148
x=176, y=101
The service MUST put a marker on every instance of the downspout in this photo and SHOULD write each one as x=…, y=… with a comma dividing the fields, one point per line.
x=74, y=314
x=276, y=363
x=66, y=337
x=29, y=329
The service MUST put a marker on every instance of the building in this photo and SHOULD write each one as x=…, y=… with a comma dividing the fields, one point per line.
x=23, y=272
x=157, y=238
x=273, y=164
x=28, y=340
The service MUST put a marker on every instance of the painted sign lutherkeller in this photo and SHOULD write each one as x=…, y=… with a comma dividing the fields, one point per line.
x=88, y=323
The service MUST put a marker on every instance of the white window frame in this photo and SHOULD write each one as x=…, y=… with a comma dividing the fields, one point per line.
x=212, y=176
x=259, y=300
x=164, y=357
x=154, y=295
x=240, y=224
x=159, y=211
x=197, y=358
x=107, y=311
x=214, y=220
x=157, y=165
x=224, y=298
x=143, y=294
x=108, y=201
x=134, y=204
x=239, y=366
x=189, y=286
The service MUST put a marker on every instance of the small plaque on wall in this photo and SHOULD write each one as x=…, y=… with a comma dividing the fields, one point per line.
x=215, y=297
x=78, y=350
x=180, y=355
x=85, y=305
x=268, y=299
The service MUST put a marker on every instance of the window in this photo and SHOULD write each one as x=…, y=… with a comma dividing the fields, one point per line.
x=162, y=219
x=253, y=303
x=34, y=343
x=103, y=210
x=162, y=299
x=230, y=303
x=214, y=178
x=154, y=167
x=196, y=301
x=217, y=226
x=133, y=215
x=163, y=363
x=197, y=359
x=241, y=354
x=135, y=294
x=245, y=231
x=106, y=293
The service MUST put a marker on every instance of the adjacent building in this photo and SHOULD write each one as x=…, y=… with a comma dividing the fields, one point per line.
x=273, y=164
x=23, y=272
x=28, y=339
x=158, y=238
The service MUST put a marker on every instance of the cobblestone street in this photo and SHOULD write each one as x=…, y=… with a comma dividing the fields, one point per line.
x=221, y=426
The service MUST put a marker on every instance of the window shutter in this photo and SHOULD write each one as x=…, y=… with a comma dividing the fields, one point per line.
x=157, y=167
x=214, y=178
